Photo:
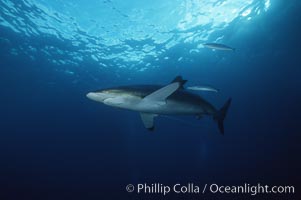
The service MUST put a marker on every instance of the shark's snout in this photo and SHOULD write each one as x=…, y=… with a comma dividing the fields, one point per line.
x=98, y=96
x=91, y=95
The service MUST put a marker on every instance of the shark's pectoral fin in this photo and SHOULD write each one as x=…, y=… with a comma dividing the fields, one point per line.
x=163, y=93
x=148, y=120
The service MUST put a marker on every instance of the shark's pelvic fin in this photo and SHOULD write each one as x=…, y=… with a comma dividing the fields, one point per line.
x=161, y=94
x=148, y=120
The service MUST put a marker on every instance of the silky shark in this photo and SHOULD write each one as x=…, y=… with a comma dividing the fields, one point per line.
x=154, y=100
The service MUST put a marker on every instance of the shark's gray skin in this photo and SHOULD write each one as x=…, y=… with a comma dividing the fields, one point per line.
x=153, y=100
x=218, y=46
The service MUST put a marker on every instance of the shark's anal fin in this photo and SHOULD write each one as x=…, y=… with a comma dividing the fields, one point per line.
x=163, y=93
x=148, y=120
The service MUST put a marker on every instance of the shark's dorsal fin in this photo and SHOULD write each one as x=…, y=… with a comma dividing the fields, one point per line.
x=148, y=120
x=162, y=93
x=180, y=80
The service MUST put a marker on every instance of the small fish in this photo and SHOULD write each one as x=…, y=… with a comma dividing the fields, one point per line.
x=218, y=46
x=203, y=88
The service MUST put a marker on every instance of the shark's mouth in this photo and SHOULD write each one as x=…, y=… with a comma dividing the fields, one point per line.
x=114, y=101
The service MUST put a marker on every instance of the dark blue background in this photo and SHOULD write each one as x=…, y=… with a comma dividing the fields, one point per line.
x=57, y=144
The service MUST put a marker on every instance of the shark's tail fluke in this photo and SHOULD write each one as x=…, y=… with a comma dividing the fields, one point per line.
x=221, y=115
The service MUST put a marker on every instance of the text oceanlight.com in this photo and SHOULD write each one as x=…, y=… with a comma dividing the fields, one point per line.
x=192, y=188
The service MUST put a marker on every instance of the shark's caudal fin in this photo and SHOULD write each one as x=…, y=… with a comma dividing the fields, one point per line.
x=221, y=115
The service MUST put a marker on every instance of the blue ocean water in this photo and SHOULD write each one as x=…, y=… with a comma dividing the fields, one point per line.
x=57, y=144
